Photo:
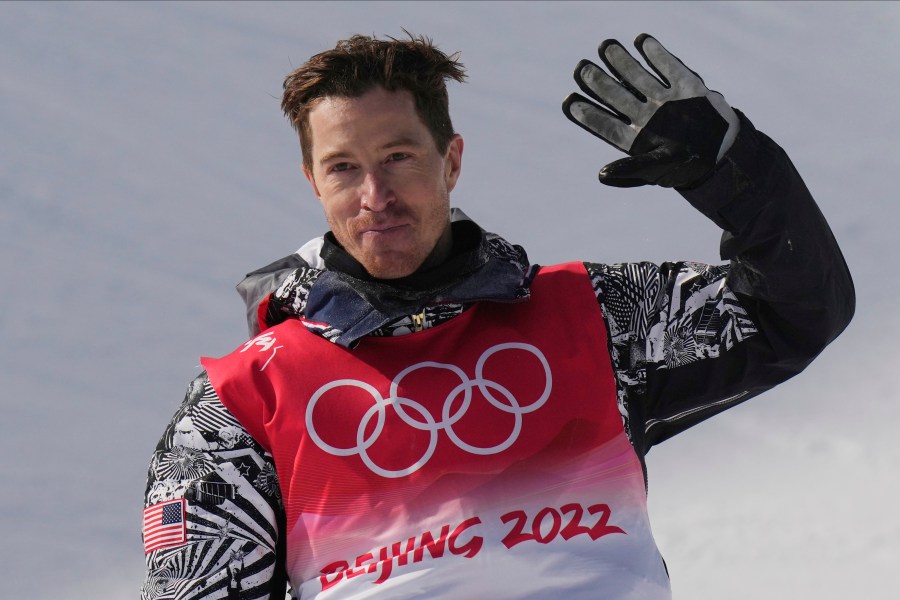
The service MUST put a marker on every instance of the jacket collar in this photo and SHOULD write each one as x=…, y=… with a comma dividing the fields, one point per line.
x=338, y=294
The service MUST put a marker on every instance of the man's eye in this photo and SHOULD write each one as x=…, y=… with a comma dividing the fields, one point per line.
x=340, y=167
x=397, y=156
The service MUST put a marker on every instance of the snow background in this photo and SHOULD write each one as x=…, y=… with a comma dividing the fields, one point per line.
x=145, y=167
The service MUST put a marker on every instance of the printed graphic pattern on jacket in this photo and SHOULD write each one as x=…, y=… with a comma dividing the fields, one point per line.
x=664, y=317
x=208, y=457
x=687, y=341
x=233, y=506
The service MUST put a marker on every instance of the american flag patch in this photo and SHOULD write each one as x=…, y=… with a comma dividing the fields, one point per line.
x=164, y=525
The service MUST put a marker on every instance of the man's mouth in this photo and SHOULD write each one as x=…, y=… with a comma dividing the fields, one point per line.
x=383, y=229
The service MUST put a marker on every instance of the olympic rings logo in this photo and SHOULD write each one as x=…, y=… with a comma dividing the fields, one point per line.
x=425, y=421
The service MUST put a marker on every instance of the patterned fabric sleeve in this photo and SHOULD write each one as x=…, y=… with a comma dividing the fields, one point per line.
x=213, y=510
x=671, y=318
x=690, y=340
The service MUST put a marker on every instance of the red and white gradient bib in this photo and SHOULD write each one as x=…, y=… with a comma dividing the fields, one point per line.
x=483, y=458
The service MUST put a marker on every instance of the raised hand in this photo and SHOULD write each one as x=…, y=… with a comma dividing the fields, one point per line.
x=674, y=128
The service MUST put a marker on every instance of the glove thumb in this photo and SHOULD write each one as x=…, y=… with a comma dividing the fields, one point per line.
x=665, y=165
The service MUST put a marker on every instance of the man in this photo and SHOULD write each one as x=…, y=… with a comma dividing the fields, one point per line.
x=424, y=413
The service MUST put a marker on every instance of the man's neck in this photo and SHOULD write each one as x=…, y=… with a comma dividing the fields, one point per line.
x=441, y=252
x=450, y=257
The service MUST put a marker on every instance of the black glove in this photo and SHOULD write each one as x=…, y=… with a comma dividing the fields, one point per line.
x=674, y=130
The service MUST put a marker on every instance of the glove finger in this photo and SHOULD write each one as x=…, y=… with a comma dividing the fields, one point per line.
x=624, y=173
x=660, y=167
x=622, y=183
x=599, y=121
x=632, y=74
x=599, y=85
x=683, y=82
x=686, y=83
x=642, y=166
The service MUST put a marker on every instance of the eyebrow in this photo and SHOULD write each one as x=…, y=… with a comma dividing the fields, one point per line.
x=401, y=141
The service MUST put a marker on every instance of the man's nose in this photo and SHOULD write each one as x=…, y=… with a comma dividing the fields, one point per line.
x=376, y=193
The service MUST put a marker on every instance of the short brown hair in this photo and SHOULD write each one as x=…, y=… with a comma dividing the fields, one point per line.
x=358, y=64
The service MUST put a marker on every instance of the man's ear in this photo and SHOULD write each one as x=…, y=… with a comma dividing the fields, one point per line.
x=312, y=181
x=453, y=161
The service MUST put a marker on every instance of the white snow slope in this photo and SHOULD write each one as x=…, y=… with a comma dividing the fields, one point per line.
x=145, y=167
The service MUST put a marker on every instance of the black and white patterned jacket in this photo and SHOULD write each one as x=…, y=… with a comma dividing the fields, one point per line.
x=687, y=341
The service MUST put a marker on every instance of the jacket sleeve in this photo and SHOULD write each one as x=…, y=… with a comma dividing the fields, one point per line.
x=227, y=541
x=690, y=340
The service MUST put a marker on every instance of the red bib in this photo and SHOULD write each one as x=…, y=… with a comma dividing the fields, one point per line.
x=442, y=440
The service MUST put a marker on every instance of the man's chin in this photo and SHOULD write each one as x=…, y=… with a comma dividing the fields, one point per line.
x=391, y=268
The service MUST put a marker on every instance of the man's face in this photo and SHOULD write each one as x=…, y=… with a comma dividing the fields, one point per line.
x=383, y=183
